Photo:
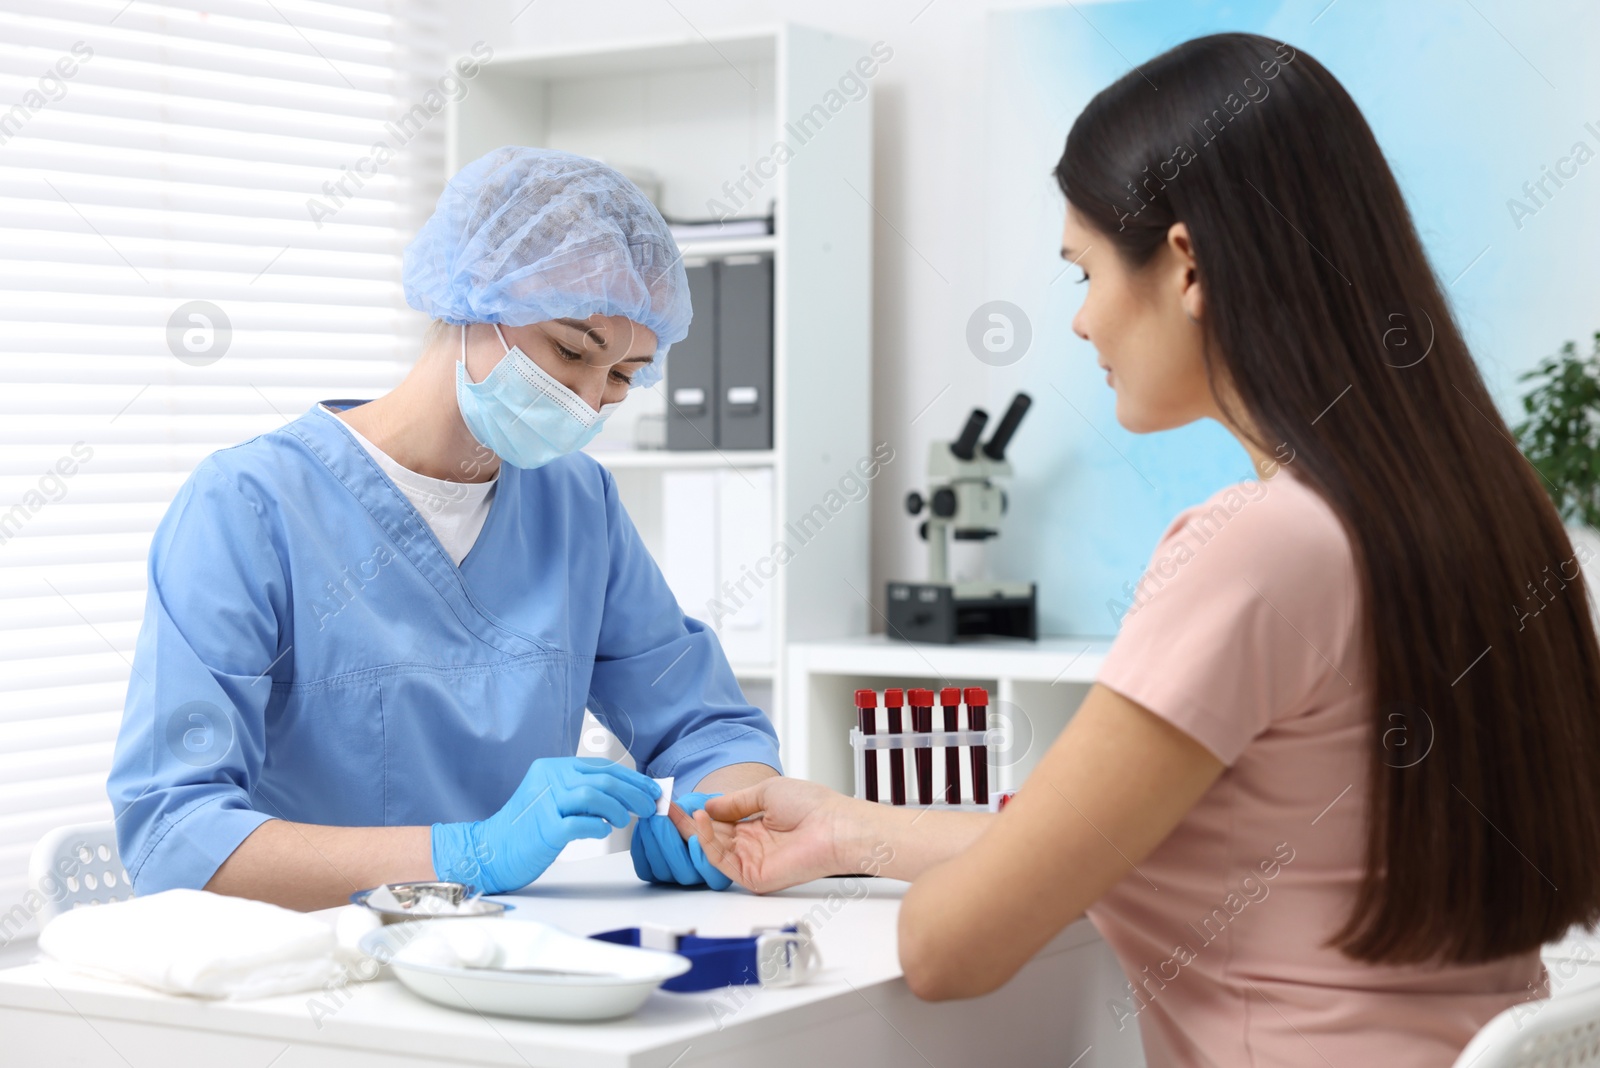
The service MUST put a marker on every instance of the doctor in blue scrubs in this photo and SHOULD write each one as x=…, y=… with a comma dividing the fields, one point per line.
x=371, y=635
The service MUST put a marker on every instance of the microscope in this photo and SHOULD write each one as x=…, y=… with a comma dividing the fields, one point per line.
x=964, y=503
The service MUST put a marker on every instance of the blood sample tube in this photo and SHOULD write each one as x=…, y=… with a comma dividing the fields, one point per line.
x=892, y=701
x=867, y=719
x=978, y=720
x=950, y=698
x=921, y=702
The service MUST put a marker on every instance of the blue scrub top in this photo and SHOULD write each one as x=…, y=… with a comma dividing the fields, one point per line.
x=310, y=652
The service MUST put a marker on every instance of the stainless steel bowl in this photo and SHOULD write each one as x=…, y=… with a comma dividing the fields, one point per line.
x=417, y=901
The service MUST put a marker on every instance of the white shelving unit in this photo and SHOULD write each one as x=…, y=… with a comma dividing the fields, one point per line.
x=700, y=115
x=661, y=459
x=1034, y=689
x=733, y=246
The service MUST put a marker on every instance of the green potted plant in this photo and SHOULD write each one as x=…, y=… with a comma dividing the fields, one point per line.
x=1561, y=438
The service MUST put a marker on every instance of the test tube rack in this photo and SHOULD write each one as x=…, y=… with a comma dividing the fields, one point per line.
x=862, y=744
x=867, y=742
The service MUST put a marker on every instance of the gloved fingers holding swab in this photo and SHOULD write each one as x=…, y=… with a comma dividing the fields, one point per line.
x=661, y=849
x=560, y=800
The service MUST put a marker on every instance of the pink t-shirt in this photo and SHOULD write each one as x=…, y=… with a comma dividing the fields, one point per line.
x=1244, y=635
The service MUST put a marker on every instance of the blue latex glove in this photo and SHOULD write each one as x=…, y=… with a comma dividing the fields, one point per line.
x=660, y=854
x=561, y=799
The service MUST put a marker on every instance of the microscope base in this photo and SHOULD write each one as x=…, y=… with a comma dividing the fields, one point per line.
x=945, y=612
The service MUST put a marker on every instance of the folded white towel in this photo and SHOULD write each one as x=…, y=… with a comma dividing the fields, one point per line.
x=197, y=942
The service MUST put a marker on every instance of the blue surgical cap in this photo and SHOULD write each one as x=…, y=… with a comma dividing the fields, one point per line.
x=526, y=235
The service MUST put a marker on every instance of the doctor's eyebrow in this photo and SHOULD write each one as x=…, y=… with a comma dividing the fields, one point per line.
x=1066, y=253
x=589, y=332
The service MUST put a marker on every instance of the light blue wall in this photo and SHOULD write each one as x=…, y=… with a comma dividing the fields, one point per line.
x=1465, y=115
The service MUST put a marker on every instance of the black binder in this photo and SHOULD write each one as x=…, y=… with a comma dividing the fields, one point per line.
x=744, y=353
x=692, y=369
x=719, y=378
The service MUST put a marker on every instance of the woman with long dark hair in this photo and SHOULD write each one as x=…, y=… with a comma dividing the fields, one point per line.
x=1332, y=789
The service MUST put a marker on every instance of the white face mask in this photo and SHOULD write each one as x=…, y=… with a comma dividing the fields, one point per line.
x=521, y=413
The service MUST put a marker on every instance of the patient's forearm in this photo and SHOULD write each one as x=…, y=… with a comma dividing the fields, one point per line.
x=904, y=842
x=734, y=777
x=308, y=866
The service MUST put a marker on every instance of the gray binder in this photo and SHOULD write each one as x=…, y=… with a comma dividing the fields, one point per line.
x=744, y=353
x=692, y=368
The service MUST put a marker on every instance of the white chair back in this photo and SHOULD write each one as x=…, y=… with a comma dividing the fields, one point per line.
x=77, y=865
x=1561, y=1032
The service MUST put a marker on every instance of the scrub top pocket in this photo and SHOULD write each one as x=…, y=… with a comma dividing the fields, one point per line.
x=323, y=754
x=457, y=743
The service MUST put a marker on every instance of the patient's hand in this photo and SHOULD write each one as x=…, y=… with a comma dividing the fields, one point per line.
x=799, y=833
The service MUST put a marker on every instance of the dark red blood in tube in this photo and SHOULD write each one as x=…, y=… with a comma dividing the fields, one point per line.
x=950, y=698
x=978, y=720
x=921, y=702
x=867, y=720
x=892, y=702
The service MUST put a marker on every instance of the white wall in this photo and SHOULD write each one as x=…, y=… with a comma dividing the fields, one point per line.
x=929, y=179
x=970, y=116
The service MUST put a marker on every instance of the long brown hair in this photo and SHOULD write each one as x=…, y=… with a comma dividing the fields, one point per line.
x=1326, y=321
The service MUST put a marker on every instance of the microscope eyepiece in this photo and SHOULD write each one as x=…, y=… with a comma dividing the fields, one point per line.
x=965, y=446
x=995, y=447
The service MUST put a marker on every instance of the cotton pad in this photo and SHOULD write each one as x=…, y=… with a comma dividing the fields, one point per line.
x=664, y=802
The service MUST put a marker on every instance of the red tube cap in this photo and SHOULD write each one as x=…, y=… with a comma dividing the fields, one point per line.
x=866, y=698
x=977, y=697
x=950, y=695
x=920, y=699
x=893, y=698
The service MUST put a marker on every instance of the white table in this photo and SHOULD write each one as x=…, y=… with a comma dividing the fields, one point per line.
x=857, y=1011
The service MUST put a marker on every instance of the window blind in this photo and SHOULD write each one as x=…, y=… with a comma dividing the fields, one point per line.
x=200, y=237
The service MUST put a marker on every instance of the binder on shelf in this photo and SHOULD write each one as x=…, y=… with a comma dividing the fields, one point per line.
x=716, y=555
x=745, y=565
x=687, y=231
x=692, y=368
x=719, y=378
x=688, y=538
x=744, y=352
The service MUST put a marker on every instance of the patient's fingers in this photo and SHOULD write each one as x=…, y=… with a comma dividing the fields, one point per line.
x=741, y=804
x=681, y=820
x=717, y=843
x=705, y=829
